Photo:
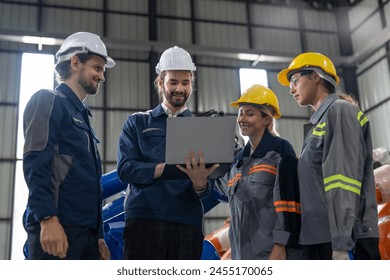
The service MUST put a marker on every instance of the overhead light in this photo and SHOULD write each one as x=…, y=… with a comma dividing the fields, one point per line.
x=271, y=58
x=257, y=58
x=247, y=56
x=40, y=41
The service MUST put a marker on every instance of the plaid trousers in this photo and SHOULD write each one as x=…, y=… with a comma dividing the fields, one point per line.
x=146, y=239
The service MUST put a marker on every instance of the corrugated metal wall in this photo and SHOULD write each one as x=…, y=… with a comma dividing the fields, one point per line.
x=367, y=20
x=210, y=25
x=9, y=98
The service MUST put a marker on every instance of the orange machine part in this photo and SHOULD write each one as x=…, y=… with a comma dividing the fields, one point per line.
x=220, y=239
x=384, y=231
x=379, y=197
x=382, y=183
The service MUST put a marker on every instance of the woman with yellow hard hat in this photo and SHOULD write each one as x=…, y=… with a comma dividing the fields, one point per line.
x=335, y=170
x=261, y=185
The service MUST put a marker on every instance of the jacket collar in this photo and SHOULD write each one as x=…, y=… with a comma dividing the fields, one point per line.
x=159, y=111
x=323, y=108
x=77, y=103
x=261, y=149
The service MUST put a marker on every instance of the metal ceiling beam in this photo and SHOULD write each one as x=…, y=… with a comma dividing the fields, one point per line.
x=378, y=41
x=255, y=56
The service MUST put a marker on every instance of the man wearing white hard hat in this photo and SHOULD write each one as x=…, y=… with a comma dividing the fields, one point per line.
x=61, y=161
x=163, y=217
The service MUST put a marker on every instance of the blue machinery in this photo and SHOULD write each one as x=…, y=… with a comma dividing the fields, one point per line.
x=114, y=217
x=113, y=213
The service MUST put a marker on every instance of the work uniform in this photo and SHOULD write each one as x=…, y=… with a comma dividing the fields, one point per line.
x=263, y=194
x=141, y=148
x=336, y=177
x=62, y=166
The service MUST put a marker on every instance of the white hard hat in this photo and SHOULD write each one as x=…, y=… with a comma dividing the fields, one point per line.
x=83, y=42
x=175, y=58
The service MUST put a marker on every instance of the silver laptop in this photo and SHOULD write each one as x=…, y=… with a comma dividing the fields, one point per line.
x=213, y=135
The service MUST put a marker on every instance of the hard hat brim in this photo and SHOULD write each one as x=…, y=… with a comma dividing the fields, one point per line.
x=110, y=63
x=277, y=114
x=282, y=77
x=160, y=69
x=235, y=104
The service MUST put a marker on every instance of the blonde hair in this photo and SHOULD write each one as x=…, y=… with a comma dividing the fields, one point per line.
x=268, y=110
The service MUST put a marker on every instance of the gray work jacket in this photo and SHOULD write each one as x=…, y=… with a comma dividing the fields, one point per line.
x=263, y=193
x=336, y=177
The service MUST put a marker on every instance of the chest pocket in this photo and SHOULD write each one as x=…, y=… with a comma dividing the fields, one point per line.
x=153, y=144
x=262, y=180
x=87, y=137
x=153, y=132
x=154, y=136
x=313, y=152
x=314, y=148
x=263, y=173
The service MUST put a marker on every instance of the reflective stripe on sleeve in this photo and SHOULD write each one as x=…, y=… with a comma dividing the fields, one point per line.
x=343, y=182
x=287, y=206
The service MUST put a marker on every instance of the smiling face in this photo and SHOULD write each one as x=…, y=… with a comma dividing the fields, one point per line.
x=176, y=88
x=91, y=74
x=252, y=122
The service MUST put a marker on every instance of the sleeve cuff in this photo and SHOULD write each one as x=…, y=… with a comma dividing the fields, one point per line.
x=343, y=243
x=281, y=237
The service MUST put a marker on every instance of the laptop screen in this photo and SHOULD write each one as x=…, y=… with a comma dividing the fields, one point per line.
x=215, y=136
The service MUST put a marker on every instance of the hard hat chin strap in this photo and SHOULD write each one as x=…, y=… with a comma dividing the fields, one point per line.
x=326, y=76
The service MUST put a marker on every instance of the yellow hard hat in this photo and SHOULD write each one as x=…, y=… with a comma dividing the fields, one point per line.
x=308, y=60
x=259, y=95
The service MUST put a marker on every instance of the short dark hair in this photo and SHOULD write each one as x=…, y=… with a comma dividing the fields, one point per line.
x=63, y=69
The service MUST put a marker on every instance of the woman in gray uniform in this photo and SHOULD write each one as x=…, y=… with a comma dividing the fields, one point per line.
x=339, y=210
x=261, y=185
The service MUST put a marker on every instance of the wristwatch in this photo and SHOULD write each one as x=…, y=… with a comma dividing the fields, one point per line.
x=46, y=218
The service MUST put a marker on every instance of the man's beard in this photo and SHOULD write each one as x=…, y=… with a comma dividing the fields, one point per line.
x=88, y=86
x=170, y=98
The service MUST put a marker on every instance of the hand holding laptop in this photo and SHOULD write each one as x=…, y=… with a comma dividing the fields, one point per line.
x=196, y=169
